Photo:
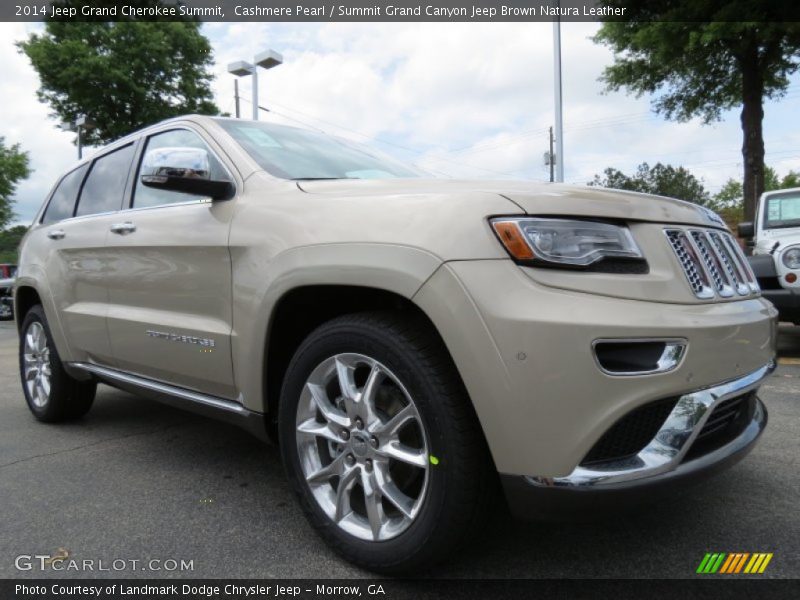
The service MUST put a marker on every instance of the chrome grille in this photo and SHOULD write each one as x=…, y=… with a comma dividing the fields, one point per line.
x=735, y=275
x=712, y=262
x=695, y=274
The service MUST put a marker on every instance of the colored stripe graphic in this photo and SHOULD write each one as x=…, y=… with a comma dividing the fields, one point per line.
x=741, y=562
x=734, y=562
x=732, y=559
x=711, y=563
x=703, y=563
x=764, y=564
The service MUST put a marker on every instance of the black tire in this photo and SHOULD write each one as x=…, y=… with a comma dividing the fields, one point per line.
x=69, y=398
x=460, y=486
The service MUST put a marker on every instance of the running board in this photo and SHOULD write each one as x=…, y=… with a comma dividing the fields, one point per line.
x=209, y=406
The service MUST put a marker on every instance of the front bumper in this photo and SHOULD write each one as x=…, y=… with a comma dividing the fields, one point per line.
x=786, y=301
x=525, y=353
x=660, y=465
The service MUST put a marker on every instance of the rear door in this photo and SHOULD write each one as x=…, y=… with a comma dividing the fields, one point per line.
x=169, y=280
x=73, y=233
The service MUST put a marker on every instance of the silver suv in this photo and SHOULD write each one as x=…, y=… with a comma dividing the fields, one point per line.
x=409, y=342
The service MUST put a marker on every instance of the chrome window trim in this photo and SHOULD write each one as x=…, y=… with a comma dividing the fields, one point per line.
x=160, y=206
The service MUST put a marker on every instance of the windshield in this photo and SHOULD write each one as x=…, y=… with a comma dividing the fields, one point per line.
x=782, y=210
x=293, y=153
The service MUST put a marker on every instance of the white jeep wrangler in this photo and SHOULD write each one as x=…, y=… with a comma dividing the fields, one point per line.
x=776, y=250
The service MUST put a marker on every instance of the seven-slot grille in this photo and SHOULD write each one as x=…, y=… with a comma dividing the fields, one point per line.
x=712, y=262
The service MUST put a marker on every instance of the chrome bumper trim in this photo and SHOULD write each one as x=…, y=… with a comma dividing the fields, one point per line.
x=666, y=450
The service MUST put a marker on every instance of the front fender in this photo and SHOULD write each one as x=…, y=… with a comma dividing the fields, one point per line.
x=259, y=284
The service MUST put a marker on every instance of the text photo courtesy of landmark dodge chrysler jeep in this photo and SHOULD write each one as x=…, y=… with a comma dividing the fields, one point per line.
x=412, y=344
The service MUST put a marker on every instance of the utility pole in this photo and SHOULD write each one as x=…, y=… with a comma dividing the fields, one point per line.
x=552, y=160
x=236, y=96
x=558, y=97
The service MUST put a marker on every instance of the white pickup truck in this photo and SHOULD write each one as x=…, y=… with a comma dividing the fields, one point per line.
x=776, y=250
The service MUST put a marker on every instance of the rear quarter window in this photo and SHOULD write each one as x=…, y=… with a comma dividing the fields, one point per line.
x=62, y=202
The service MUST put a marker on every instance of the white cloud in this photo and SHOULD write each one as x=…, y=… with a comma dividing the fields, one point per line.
x=25, y=121
x=471, y=99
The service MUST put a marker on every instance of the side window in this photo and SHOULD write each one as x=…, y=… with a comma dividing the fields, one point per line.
x=144, y=196
x=62, y=202
x=105, y=185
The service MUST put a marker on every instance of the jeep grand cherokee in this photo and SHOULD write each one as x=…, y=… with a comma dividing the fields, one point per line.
x=409, y=342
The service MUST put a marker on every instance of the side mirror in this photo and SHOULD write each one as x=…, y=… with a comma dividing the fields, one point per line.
x=747, y=230
x=184, y=170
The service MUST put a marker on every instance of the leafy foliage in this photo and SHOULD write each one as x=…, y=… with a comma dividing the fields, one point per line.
x=663, y=180
x=698, y=58
x=9, y=243
x=695, y=68
x=121, y=75
x=14, y=167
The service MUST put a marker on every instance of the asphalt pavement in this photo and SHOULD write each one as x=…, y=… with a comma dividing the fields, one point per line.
x=139, y=481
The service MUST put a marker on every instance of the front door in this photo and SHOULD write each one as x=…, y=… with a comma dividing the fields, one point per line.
x=169, y=282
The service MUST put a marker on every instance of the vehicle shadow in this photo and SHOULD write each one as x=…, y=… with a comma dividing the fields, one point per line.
x=237, y=471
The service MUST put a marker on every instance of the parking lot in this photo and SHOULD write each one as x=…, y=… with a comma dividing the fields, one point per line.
x=136, y=480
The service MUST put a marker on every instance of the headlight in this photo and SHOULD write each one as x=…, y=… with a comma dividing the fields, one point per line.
x=562, y=242
x=791, y=258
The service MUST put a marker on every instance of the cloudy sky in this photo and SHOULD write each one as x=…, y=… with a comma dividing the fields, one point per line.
x=460, y=100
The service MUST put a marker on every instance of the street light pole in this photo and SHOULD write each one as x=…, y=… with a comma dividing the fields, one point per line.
x=558, y=97
x=236, y=96
x=80, y=125
x=255, y=93
x=241, y=68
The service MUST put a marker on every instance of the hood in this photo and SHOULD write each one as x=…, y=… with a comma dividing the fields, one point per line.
x=535, y=198
x=787, y=236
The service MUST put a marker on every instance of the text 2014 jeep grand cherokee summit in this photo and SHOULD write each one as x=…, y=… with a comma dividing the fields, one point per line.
x=405, y=339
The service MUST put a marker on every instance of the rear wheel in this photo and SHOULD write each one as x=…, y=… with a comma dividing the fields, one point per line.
x=52, y=394
x=381, y=444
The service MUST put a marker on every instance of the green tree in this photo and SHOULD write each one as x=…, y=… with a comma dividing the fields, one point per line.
x=121, y=75
x=702, y=57
x=664, y=180
x=9, y=243
x=773, y=181
x=790, y=180
x=14, y=167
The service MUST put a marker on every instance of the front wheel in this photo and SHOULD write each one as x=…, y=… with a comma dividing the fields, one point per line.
x=52, y=394
x=381, y=444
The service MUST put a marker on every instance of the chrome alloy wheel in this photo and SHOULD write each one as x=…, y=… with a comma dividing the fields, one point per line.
x=362, y=447
x=36, y=363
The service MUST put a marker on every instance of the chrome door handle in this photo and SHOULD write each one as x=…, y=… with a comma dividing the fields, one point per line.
x=56, y=234
x=123, y=228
